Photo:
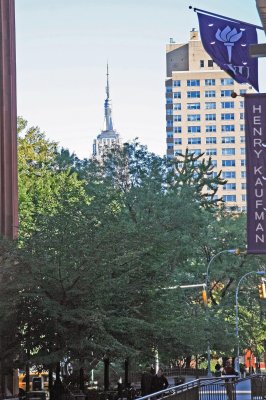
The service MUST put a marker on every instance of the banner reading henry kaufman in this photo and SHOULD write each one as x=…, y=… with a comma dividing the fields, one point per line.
x=255, y=119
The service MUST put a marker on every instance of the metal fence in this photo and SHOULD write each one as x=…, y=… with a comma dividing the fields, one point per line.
x=222, y=388
x=214, y=388
x=218, y=389
x=174, y=371
x=258, y=387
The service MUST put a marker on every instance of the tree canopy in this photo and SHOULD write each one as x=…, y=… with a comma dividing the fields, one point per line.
x=103, y=248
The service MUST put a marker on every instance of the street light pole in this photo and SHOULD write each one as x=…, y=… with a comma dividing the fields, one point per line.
x=230, y=251
x=237, y=318
x=205, y=289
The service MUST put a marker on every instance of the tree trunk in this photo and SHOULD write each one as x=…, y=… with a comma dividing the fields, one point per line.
x=106, y=374
x=188, y=361
x=126, y=372
x=27, y=377
x=81, y=379
x=50, y=381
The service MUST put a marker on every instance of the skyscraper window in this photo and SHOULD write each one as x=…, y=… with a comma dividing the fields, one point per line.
x=211, y=140
x=227, y=81
x=227, y=116
x=210, y=128
x=193, y=82
x=193, y=117
x=228, y=163
x=229, y=186
x=209, y=82
x=227, y=104
x=228, y=128
x=228, y=174
x=194, y=140
x=226, y=93
x=228, y=139
x=210, y=105
x=193, y=106
x=210, y=117
x=229, y=198
x=193, y=129
x=228, y=151
x=191, y=95
x=210, y=93
x=176, y=83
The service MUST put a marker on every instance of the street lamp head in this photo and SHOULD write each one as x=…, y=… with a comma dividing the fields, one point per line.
x=236, y=251
x=260, y=272
x=233, y=251
x=193, y=286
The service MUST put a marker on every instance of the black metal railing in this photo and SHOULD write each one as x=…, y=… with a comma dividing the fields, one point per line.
x=218, y=388
x=227, y=387
x=174, y=371
x=258, y=387
x=214, y=388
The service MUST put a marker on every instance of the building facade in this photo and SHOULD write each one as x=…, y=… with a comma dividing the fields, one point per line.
x=202, y=116
x=108, y=136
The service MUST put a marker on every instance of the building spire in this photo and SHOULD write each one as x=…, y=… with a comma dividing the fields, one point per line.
x=108, y=123
x=108, y=136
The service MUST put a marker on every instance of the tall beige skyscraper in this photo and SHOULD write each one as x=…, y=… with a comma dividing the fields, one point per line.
x=202, y=116
x=108, y=136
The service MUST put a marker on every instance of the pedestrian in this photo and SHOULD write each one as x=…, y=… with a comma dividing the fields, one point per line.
x=146, y=379
x=119, y=390
x=159, y=382
x=21, y=394
x=217, y=369
x=242, y=370
x=229, y=382
x=228, y=368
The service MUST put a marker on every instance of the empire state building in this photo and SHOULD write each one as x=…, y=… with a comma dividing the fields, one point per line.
x=108, y=136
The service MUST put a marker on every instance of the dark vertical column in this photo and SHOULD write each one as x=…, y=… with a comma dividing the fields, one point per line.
x=81, y=379
x=106, y=373
x=8, y=122
x=50, y=382
x=126, y=372
x=57, y=372
x=27, y=377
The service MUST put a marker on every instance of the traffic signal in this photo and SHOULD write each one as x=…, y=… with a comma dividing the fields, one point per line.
x=239, y=252
x=204, y=297
x=262, y=290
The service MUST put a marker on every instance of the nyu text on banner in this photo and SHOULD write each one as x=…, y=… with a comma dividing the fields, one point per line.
x=227, y=42
x=255, y=120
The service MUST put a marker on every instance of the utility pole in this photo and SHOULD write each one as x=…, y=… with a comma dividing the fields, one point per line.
x=8, y=122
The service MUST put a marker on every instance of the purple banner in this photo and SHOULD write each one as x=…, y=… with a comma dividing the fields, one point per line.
x=227, y=42
x=255, y=119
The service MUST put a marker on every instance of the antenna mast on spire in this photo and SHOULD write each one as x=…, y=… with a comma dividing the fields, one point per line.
x=107, y=105
x=107, y=85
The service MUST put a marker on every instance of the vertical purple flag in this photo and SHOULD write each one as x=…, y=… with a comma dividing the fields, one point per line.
x=227, y=42
x=255, y=119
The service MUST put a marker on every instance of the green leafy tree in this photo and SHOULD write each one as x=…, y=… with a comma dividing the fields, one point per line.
x=104, y=248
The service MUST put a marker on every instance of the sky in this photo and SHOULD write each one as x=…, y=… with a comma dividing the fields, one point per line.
x=62, y=50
